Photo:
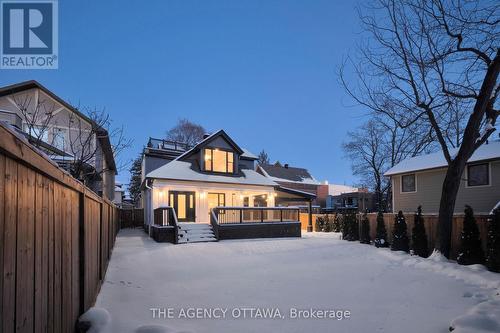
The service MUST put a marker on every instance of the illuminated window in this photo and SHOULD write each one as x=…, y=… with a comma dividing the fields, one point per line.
x=208, y=159
x=216, y=200
x=219, y=160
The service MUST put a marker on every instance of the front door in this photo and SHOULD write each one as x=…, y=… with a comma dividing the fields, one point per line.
x=184, y=205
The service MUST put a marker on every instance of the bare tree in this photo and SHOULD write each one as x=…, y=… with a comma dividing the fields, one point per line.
x=378, y=145
x=365, y=150
x=263, y=158
x=427, y=58
x=84, y=142
x=37, y=113
x=186, y=132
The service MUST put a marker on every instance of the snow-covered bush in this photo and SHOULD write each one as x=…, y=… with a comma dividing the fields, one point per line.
x=324, y=223
x=381, y=236
x=365, y=230
x=320, y=223
x=418, y=236
x=493, y=247
x=350, y=230
x=94, y=320
x=471, y=251
x=337, y=223
x=400, y=241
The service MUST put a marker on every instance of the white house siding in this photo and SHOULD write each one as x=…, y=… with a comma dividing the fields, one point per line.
x=234, y=195
x=482, y=198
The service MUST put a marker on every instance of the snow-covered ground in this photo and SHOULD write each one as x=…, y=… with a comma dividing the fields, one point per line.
x=383, y=291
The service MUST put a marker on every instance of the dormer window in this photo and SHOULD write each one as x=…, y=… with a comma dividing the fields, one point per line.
x=217, y=160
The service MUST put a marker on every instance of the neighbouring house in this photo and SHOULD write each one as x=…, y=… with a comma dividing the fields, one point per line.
x=418, y=181
x=119, y=194
x=62, y=132
x=360, y=200
x=194, y=183
x=292, y=178
x=327, y=191
x=334, y=197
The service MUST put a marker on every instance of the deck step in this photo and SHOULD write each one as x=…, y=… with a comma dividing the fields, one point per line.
x=195, y=233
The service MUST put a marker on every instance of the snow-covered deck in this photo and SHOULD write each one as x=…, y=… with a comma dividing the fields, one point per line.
x=384, y=291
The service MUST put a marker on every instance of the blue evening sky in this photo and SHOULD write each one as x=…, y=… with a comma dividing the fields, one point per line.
x=265, y=71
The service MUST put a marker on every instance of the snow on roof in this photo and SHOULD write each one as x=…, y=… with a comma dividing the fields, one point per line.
x=335, y=189
x=179, y=170
x=436, y=160
x=196, y=145
x=248, y=154
x=288, y=174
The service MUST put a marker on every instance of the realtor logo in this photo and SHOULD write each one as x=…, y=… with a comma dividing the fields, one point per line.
x=28, y=34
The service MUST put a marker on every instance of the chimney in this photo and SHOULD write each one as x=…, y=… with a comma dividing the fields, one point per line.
x=286, y=165
x=206, y=135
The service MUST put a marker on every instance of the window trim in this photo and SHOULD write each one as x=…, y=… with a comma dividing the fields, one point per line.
x=401, y=185
x=227, y=151
x=467, y=175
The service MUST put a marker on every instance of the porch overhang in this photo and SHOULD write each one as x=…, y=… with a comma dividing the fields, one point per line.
x=294, y=195
x=290, y=194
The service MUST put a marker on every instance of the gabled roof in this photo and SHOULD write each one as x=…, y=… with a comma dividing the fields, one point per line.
x=102, y=134
x=180, y=170
x=485, y=152
x=248, y=155
x=207, y=140
x=287, y=174
x=33, y=84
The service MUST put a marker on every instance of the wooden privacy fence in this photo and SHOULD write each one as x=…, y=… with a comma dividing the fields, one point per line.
x=132, y=218
x=56, y=238
x=430, y=222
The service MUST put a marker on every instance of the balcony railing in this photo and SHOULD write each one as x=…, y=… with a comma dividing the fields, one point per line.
x=168, y=145
x=232, y=215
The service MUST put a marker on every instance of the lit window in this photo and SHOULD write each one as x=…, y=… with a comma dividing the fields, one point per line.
x=208, y=159
x=216, y=200
x=408, y=183
x=478, y=175
x=219, y=160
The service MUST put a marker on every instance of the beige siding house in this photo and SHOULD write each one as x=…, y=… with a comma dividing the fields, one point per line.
x=418, y=181
x=62, y=132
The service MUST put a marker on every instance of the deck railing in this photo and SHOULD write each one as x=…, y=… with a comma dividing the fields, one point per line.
x=165, y=216
x=231, y=215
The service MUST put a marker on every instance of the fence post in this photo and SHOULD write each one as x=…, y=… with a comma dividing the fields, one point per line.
x=81, y=250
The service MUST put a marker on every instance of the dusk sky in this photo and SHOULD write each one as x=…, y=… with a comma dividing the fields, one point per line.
x=264, y=71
